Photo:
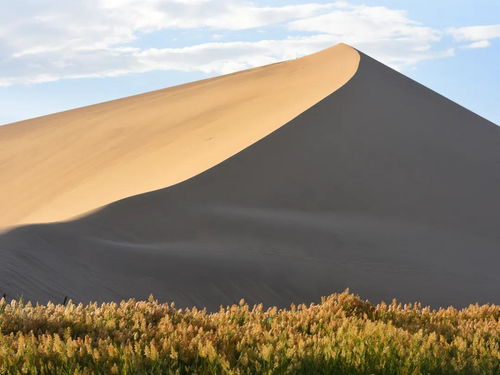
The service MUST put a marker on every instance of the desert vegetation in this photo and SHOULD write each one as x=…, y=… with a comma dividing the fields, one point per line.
x=341, y=335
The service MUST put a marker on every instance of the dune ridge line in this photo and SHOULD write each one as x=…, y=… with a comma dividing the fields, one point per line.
x=63, y=165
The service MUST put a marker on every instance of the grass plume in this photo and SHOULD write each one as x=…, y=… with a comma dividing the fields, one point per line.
x=341, y=335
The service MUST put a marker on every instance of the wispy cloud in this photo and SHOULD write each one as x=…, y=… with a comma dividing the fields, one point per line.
x=478, y=44
x=480, y=36
x=56, y=40
x=387, y=34
x=224, y=57
x=32, y=27
x=79, y=38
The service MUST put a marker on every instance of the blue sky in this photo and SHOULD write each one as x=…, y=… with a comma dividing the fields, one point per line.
x=57, y=55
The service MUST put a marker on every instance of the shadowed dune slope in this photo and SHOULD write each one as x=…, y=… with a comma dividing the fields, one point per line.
x=384, y=187
x=55, y=167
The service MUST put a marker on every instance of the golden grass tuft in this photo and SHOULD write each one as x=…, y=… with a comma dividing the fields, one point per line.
x=341, y=335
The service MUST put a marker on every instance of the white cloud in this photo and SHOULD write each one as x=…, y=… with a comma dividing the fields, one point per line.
x=475, y=33
x=478, y=44
x=55, y=39
x=387, y=34
x=480, y=36
x=210, y=58
x=28, y=27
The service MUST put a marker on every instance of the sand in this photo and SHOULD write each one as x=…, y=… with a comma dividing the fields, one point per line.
x=383, y=187
x=59, y=166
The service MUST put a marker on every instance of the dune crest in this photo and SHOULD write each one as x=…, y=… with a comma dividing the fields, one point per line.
x=63, y=165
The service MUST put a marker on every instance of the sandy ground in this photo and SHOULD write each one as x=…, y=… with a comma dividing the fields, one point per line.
x=383, y=187
x=58, y=166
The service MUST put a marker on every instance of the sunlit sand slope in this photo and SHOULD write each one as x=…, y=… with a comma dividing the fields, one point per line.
x=58, y=166
x=384, y=187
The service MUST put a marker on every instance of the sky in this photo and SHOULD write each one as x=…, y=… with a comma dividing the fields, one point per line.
x=57, y=54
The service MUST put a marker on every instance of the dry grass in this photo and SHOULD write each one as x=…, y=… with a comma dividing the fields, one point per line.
x=341, y=335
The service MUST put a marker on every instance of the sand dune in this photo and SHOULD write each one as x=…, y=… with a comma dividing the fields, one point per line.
x=58, y=166
x=384, y=187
